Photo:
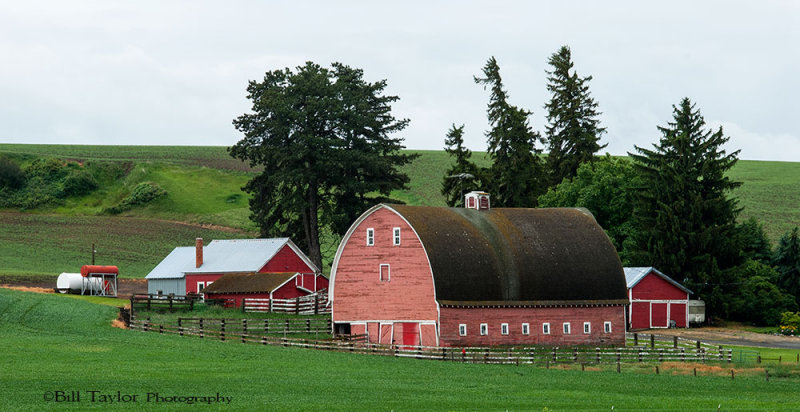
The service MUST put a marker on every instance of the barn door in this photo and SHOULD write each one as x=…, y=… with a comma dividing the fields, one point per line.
x=659, y=315
x=410, y=334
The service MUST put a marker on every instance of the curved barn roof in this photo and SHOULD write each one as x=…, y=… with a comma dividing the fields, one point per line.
x=518, y=256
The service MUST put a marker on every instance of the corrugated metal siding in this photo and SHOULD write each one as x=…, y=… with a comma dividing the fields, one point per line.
x=166, y=286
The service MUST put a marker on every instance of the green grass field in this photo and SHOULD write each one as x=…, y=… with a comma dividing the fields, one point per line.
x=204, y=188
x=54, y=343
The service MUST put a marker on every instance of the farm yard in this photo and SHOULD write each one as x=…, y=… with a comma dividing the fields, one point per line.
x=72, y=340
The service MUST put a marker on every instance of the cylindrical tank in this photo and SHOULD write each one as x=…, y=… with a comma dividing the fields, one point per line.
x=73, y=283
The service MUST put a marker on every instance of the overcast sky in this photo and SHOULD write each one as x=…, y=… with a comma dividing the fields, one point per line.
x=175, y=72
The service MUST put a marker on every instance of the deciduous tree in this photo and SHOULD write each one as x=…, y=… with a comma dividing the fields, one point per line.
x=324, y=139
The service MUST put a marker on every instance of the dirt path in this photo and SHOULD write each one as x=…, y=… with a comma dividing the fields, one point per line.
x=125, y=287
x=728, y=336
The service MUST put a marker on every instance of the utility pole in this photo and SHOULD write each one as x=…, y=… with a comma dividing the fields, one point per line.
x=93, y=252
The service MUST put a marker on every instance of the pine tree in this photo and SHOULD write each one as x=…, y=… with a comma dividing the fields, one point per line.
x=515, y=177
x=462, y=176
x=573, y=131
x=787, y=262
x=685, y=222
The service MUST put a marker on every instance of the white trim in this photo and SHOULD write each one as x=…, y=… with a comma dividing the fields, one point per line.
x=585, y=325
x=546, y=328
x=462, y=326
x=203, y=284
x=388, y=272
x=566, y=328
x=370, y=236
x=504, y=328
x=607, y=327
x=526, y=329
x=484, y=329
x=396, y=236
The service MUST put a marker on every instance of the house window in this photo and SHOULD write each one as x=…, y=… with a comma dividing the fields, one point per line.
x=566, y=328
x=385, y=272
x=396, y=236
x=504, y=328
x=587, y=327
x=545, y=328
x=200, y=286
x=370, y=237
x=462, y=330
x=484, y=329
x=526, y=329
x=607, y=327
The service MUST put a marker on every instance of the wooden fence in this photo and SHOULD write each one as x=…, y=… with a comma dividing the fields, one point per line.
x=304, y=305
x=254, y=326
x=163, y=302
x=546, y=356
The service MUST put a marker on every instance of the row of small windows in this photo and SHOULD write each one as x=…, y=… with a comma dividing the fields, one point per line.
x=371, y=236
x=526, y=328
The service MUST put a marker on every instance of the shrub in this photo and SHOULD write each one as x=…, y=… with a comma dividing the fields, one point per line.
x=79, y=183
x=10, y=174
x=143, y=193
x=790, y=323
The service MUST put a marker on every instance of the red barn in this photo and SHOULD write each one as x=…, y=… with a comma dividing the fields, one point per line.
x=438, y=276
x=237, y=286
x=192, y=269
x=657, y=301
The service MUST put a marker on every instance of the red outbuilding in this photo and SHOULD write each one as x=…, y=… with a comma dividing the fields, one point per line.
x=437, y=276
x=191, y=269
x=657, y=301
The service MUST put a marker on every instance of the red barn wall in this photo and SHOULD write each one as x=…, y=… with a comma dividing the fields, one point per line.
x=654, y=287
x=286, y=260
x=360, y=295
x=535, y=317
x=191, y=281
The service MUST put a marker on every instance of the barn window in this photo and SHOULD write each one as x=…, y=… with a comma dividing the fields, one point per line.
x=566, y=328
x=462, y=329
x=160, y=293
x=370, y=237
x=607, y=327
x=504, y=328
x=200, y=286
x=396, y=236
x=484, y=329
x=385, y=272
x=471, y=202
x=526, y=329
x=546, y=328
x=587, y=327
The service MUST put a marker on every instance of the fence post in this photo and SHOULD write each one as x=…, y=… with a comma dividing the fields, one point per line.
x=148, y=302
x=598, y=355
x=270, y=304
x=266, y=326
x=635, y=339
x=698, y=344
x=147, y=324
x=244, y=326
x=308, y=325
x=316, y=303
x=286, y=327
x=160, y=328
x=297, y=305
x=758, y=359
x=170, y=302
x=730, y=355
x=683, y=355
x=675, y=342
x=222, y=329
x=191, y=304
x=243, y=304
x=652, y=341
x=201, y=328
x=640, y=355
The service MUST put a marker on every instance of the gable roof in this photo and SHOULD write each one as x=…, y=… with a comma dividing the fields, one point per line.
x=517, y=255
x=224, y=256
x=249, y=282
x=634, y=275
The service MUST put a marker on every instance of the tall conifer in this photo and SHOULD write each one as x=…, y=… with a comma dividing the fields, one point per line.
x=686, y=222
x=573, y=129
x=462, y=176
x=515, y=177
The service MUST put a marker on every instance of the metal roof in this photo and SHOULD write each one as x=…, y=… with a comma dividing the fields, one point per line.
x=223, y=256
x=635, y=275
x=249, y=282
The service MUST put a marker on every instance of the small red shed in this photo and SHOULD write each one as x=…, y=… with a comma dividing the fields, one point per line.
x=657, y=301
x=237, y=286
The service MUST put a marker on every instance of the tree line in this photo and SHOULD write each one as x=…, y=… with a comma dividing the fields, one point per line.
x=326, y=140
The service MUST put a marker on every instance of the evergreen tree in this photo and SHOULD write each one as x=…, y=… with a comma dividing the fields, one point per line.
x=515, y=177
x=787, y=262
x=463, y=176
x=573, y=130
x=684, y=220
x=754, y=242
x=323, y=138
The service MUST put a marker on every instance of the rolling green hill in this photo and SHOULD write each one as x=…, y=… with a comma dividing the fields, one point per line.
x=204, y=191
x=56, y=343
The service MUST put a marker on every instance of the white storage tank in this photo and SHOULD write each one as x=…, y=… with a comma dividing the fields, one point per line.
x=74, y=283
